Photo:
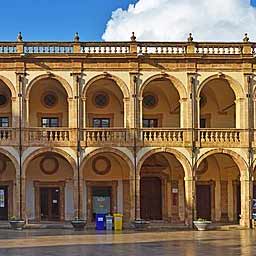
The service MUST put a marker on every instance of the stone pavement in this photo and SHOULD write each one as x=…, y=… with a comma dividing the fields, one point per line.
x=70, y=243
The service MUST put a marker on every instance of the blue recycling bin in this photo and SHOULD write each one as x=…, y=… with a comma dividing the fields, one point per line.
x=100, y=221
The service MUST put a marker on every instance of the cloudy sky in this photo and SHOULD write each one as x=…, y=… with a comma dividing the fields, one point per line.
x=97, y=20
x=172, y=20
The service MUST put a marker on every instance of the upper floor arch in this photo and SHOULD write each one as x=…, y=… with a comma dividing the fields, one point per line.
x=173, y=81
x=6, y=82
x=234, y=84
x=118, y=81
x=51, y=76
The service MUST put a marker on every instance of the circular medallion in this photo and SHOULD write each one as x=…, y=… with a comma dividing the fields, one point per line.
x=2, y=165
x=101, y=165
x=49, y=99
x=101, y=99
x=3, y=100
x=49, y=165
x=149, y=101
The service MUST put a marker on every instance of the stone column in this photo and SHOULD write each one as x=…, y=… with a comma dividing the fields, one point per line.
x=183, y=113
x=71, y=113
x=26, y=112
x=140, y=110
x=230, y=201
x=132, y=198
x=126, y=113
x=84, y=114
x=181, y=200
x=138, y=197
x=16, y=190
x=218, y=200
x=15, y=112
x=189, y=199
x=246, y=197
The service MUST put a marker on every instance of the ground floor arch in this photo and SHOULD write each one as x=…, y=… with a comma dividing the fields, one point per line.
x=107, y=184
x=48, y=188
x=218, y=189
x=162, y=188
x=8, y=186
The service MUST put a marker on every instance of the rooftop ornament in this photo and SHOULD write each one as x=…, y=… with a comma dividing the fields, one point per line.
x=246, y=38
x=19, y=37
x=76, y=37
x=190, y=38
x=133, y=37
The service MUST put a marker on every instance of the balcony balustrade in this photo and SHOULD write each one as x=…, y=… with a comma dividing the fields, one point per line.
x=123, y=48
x=222, y=137
x=122, y=137
x=157, y=137
x=107, y=136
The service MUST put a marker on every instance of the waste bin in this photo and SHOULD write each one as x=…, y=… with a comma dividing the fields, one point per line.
x=100, y=221
x=118, y=221
x=109, y=222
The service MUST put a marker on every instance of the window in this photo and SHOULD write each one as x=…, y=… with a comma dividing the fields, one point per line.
x=101, y=122
x=3, y=100
x=150, y=123
x=101, y=99
x=4, y=122
x=202, y=122
x=49, y=122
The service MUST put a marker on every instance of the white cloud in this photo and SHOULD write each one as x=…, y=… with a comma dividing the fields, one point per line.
x=172, y=20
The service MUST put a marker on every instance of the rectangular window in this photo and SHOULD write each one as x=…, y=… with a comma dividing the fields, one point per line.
x=4, y=122
x=101, y=122
x=49, y=122
x=202, y=122
x=150, y=123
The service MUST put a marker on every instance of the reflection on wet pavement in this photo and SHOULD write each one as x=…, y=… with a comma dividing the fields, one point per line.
x=69, y=243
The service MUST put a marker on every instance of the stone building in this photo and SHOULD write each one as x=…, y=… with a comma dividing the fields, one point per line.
x=155, y=130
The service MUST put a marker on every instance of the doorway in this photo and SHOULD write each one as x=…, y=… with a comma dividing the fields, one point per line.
x=101, y=200
x=3, y=202
x=203, y=201
x=50, y=203
x=151, y=198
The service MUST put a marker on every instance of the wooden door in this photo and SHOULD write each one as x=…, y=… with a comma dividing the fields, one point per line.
x=3, y=202
x=203, y=201
x=151, y=198
x=50, y=204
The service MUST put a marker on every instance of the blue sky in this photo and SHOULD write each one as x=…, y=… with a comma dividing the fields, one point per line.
x=56, y=19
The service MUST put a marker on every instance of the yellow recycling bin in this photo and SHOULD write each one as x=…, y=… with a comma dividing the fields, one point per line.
x=118, y=221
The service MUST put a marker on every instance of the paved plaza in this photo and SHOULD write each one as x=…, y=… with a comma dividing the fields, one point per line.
x=69, y=243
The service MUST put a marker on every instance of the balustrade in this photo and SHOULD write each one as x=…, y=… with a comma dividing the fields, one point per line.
x=6, y=47
x=218, y=48
x=8, y=136
x=49, y=135
x=105, y=48
x=104, y=136
x=48, y=47
x=155, y=136
x=228, y=137
x=161, y=48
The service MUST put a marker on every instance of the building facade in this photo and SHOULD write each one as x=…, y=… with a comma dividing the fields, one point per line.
x=162, y=131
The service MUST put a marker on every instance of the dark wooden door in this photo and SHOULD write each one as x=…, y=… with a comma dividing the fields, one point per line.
x=151, y=198
x=203, y=201
x=4, y=203
x=50, y=204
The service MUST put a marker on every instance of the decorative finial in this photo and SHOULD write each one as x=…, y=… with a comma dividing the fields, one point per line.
x=76, y=37
x=19, y=37
x=133, y=37
x=190, y=38
x=246, y=38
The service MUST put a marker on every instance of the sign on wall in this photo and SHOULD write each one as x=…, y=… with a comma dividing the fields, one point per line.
x=2, y=199
x=101, y=204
